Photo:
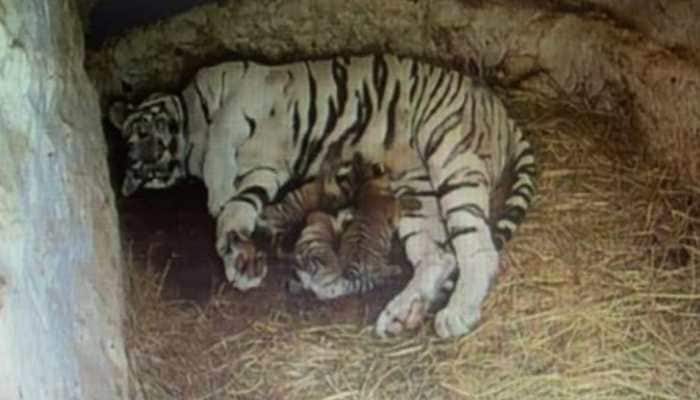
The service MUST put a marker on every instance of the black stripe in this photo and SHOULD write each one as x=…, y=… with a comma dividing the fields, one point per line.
x=288, y=84
x=455, y=233
x=331, y=119
x=379, y=72
x=523, y=154
x=368, y=115
x=240, y=178
x=242, y=200
x=296, y=122
x=414, y=80
x=184, y=121
x=251, y=125
x=223, y=85
x=528, y=151
x=403, y=239
x=401, y=175
x=484, y=112
x=524, y=192
x=420, y=193
x=316, y=147
x=202, y=103
x=257, y=192
x=409, y=190
x=302, y=163
x=500, y=238
x=447, y=188
x=472, y=209
x=462, y=170
x=390, y=135
x=432, y=145
x=357, y=123
x=464, y=143
x=340, y=77
x=417, y=106
x=457, y=91
x=438, y=104
x=251, y=199
x=413, y=214
x=514, y=214
x=424, y=115
x=420, y=178
x=467, y=172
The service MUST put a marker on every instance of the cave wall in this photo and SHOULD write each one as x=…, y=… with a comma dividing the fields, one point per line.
x=61, y=290
x=617, y=53
x=671, y=23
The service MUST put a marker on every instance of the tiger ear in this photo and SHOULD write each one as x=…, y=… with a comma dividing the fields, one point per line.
x=118, y=112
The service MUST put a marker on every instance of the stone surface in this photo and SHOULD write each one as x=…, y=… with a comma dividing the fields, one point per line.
x=671, y=23
x=593, y=49
x=61, y=290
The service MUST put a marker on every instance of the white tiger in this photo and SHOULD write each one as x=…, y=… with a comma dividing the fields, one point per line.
x=248, y=129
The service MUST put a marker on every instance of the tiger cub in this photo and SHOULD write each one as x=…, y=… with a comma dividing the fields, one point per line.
x=330, y=191
x=348, y=253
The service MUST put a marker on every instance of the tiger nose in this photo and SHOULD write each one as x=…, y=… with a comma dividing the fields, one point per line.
x=151, y=151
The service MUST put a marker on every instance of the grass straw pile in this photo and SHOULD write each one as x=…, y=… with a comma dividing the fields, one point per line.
x=598, y=299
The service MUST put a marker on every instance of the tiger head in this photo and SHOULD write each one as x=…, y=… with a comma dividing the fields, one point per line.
x=154, y=132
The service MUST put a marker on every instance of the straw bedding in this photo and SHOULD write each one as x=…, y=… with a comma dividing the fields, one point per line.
x=598, y=299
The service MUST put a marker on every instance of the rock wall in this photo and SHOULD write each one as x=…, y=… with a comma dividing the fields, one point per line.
x=591, y=50
x=61, y=293
x=671, y=23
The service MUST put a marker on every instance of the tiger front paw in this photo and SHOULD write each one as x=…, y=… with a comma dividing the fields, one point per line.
x=404, y=312
x=244, y=265
x=453, y=321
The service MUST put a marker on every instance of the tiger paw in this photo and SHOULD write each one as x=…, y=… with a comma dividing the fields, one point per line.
x=244, y=265
x=404, y=312
x=454, y=321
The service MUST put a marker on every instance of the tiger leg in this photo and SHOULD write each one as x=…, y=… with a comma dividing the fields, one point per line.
x=245, y=266
x=421, y=232
x=463, y=187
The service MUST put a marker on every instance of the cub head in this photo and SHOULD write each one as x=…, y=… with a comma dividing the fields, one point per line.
x=154, y=133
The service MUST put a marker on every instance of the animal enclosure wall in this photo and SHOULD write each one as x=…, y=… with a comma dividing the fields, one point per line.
x=61, y=292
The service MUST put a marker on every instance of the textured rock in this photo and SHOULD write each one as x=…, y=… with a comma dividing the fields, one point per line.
x=671, y=23
x=588, y=49
x=61, y=292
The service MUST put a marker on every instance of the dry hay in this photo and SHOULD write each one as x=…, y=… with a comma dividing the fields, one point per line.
x=599, y=299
